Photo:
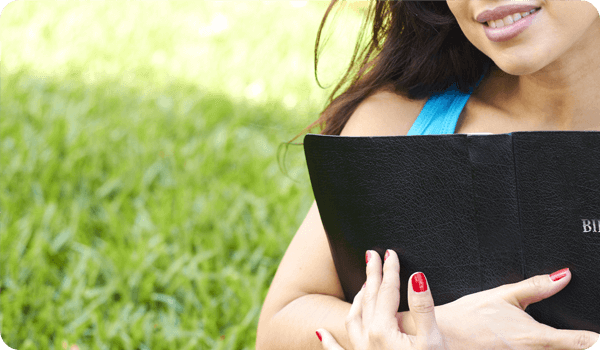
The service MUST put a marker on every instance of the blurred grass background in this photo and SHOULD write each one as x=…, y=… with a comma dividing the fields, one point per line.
x=141, y=202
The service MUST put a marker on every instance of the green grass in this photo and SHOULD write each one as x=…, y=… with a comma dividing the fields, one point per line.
x=141, y=201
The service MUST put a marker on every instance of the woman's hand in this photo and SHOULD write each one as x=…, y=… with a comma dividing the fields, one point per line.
x=495, y=318
x=371, y=322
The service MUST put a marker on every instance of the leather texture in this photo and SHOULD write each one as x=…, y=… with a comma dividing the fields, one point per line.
x=472, y=212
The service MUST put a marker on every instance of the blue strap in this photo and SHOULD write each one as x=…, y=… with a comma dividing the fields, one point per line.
x=440, y=113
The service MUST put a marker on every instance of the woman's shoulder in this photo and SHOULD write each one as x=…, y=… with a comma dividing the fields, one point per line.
x=383, y=113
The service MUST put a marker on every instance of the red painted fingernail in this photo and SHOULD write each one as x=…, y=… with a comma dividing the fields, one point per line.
x=368, y=256
x=419, y=283
x=319, y=335
x=364, y=285
x=387, y=253
x=559, y=274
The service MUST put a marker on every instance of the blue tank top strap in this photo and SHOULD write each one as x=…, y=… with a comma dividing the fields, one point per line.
x=441, y=111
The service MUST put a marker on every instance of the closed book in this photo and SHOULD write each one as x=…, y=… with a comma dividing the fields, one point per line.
x=471, y=211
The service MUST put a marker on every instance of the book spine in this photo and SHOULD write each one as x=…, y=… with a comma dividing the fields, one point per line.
x=496, y=209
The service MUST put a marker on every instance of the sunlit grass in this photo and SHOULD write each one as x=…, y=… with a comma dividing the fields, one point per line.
x=142, y=206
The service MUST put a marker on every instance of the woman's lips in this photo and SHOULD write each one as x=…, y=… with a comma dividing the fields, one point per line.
x=509, y=31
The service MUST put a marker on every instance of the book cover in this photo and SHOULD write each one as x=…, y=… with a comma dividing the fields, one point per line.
x=472, y=212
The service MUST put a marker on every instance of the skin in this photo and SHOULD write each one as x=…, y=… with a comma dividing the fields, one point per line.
x=548, y=76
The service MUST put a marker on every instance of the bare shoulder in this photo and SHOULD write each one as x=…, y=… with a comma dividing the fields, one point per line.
x=384, y=113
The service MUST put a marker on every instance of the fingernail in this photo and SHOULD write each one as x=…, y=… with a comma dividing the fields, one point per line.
x=368, y=256
x=419, y=283
x=387, y=253
x=364, y=285
x=559, y=274
x=319, y=335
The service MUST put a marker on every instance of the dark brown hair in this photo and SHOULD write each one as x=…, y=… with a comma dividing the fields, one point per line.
x=416, y=49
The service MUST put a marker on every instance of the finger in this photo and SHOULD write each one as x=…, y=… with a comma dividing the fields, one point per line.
x=388, y=298
x=373, y=282
x=571, y=340
x=536, y=288
x=354, y=318
x=420, y=303
x=540, y=287
x=327, y=340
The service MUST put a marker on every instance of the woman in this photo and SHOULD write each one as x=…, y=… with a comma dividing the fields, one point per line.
x=433, y=67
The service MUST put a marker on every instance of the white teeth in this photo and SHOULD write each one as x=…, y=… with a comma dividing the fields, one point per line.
x=508, y=20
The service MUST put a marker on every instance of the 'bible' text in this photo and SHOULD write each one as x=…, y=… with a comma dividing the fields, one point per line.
x=591, y=225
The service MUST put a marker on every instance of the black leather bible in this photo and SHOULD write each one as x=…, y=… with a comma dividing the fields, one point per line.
x=472, y=212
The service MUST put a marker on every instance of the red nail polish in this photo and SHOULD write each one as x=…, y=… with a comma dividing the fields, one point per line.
x=419, y=283
x=364, y=285
x=319, y=335
x=559, y=274
x=367, y=256
x=387, y=253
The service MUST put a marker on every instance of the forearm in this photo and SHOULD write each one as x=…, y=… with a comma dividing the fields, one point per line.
x=294, y=326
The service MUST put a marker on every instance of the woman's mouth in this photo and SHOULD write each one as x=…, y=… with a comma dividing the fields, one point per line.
x=510, y=26
x=508, y=20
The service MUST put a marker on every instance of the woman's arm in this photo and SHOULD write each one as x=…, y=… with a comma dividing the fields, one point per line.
x=491, y=319
x=293, y=326
x=314, y=309
x=306, y=293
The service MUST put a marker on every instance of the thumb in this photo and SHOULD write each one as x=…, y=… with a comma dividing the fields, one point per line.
x=536, y=288
x=327, y=340
x=422, y=310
